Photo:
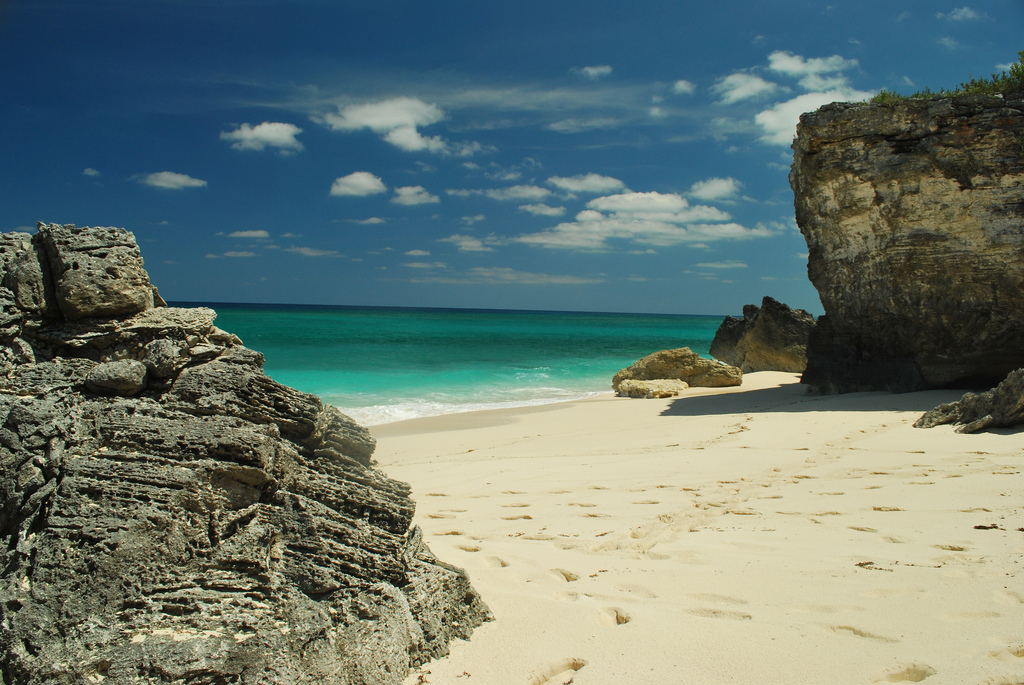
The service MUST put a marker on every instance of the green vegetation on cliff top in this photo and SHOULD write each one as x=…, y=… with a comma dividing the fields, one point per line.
x=1005, y=83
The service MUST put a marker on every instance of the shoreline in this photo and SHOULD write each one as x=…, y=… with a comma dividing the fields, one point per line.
x=726, y=535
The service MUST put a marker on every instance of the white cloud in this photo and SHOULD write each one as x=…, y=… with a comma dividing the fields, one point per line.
x=369, y=222
x=949, y=43
x=742, y=86
x=259, y=235
x=779, y=121
x=518, y=192
x=385, y=116
x=426, y=265
x=171, y=181
x=576, y=125
x=543, y=210
x=649, y=219
x=467, y=243
x=504, y=275
x=593, y=73
x=723, y=265
x=417, y=253
x=409, y=139
x=231, y=255
x=816, y=73
x=684, y=87
x=470, y=220
x=715, y=189
x=89, y=171
x=312, y=252
x=358, y=184
x=398, y=121
x=268, y=134
x=414, y=195
x=588, y=183
x=961, y=14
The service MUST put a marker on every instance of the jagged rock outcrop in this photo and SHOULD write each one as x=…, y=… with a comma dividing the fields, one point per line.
x=913, y=215
x=169, y=514
x=682, y=364
x=658, y=388
x=1000, y=407
x=772, y=337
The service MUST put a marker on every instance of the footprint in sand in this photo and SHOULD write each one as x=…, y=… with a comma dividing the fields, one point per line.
x=450, y=532
x=469, y=548
x=562, y=574
x=910, y=673
x=559, y=672
x=862, y=633
x=719, y=613
x=440, y=516
x=612, y=616
x=1009, y=653
x=520, y=517
x=581, y=504
x=517, y=505
x=723, y=599
x=1008, y=597
x=496, y=562
x=638, y=590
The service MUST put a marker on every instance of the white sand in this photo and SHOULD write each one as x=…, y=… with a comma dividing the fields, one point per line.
x=743, y=535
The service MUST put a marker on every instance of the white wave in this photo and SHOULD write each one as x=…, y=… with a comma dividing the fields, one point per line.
x=389, y=413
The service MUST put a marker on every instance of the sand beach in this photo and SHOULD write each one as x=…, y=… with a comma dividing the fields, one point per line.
x=738, y=535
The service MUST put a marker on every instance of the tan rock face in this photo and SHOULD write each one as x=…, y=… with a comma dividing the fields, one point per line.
x=681, y=364
x=651, y=389
x=914, y=220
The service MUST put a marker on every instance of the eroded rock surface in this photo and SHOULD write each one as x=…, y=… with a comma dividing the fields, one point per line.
x=1000, y=407
x=682, y=364
x=914, y=220
x=651, y=389
x=169, y=514
x=772, y=337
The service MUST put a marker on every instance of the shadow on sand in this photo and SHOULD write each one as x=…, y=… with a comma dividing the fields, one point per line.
x=793, y=398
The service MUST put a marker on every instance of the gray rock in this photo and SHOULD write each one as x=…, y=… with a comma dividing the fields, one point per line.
x=772, y=337
x=1000, y=407
x=220, y=528
x=681, y=364
x=912, y=215
x=125, y=378
x=163, y=357
x=96, y=271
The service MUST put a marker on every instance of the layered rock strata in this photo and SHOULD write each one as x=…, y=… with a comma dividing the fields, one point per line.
x=772, y=337
x=170, y=514
x=1000, y=407
x=913, y=215
x=681, y=364
x=658, y=388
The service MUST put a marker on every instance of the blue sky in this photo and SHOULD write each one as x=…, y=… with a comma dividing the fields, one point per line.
x=597, y=155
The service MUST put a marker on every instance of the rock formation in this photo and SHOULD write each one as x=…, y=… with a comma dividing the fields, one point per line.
x=658, y=388
x=682, y=364
x=772, y=337
x=913, y=215
x=169, y=514
x=999, y=407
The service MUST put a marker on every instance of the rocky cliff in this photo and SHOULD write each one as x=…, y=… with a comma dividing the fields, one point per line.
x=772, y=337
x=913, y=214
x=169, y=514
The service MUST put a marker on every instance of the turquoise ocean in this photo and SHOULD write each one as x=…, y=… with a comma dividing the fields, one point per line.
x=380, y=365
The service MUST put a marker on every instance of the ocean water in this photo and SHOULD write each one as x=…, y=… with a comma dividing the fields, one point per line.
x=388, y=364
